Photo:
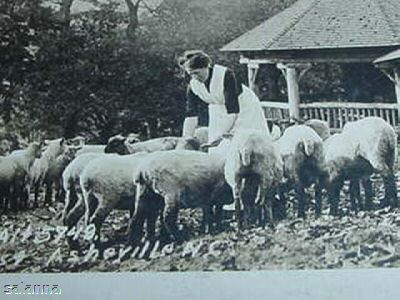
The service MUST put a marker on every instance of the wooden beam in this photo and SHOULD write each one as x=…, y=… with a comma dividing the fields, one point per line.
x=396, y=72
x=292, y=82
x=252, y=70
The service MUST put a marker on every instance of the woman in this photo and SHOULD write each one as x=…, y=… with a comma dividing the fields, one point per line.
x=230, y=106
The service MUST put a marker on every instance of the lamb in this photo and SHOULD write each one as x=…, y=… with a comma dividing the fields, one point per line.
x=181, y=178
x=41, y=166
x=302, y=152
x=54, y=173
x=253, y=160
x=343, y=163
x=14, y=170
x=74, y=206
x=108, y=180
x=376, y=141
x=320, y=127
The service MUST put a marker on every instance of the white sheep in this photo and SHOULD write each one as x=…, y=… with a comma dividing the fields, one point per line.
x=320, y=127
x=253, y=161
x=41, y=166
x=109, y=181
x=376, y=142
x=343, y=163
x=302, y=152
x=91, y=149
x=181, y=178
x=53, y=175
x=14, y=170
x=74, y=206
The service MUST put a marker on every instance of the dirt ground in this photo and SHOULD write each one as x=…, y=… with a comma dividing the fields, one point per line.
x=35, y=241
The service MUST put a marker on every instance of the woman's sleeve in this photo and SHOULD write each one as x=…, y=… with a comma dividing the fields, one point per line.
x=192, y=103
x=232, y=90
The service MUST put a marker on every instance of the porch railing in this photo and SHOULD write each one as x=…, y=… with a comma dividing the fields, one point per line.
x=335, y=113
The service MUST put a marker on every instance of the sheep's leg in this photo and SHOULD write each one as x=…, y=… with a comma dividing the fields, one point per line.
x=99, y=214
x=354, y=194
x=14, y=205
x=171, y=215
x=266, y=198
x=236, y=196
x=299, y=189
x=369, y=194
x=318, y=198
x=36, y=192
x=71, y=200
x=279, y=207
x=334, y=195
x=25, y=195
x=389, y=182
x=207, y=221
x=48, y=193
x=136, y=222
x=218, y=215
x=75, y=214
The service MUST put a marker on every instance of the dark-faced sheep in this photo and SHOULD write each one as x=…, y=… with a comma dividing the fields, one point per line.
x=343, y=163
x=182, y=179
x=376, y=141
x=253, y=161
x=302, y=152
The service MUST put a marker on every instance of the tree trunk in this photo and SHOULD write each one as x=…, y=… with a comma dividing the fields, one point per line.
x=65, y=12
x=133, y=10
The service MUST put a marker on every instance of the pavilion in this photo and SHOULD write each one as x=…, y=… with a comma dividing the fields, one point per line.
x=325, y=31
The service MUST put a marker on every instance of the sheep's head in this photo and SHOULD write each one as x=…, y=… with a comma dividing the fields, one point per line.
x=188, y=144
x=116, y=144
x=36, y=149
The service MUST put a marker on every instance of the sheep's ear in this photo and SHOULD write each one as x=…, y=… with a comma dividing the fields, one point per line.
x=62, y=141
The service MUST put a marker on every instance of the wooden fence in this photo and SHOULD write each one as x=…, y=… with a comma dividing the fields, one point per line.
x=335, y=113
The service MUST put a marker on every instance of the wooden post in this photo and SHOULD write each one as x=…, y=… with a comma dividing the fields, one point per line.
x=396, y=71
x=252, y=69
x=292, y=81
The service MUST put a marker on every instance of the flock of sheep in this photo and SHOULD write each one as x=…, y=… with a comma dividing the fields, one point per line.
x=154, y=179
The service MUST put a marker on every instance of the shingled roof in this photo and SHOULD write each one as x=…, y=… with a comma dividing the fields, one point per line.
x=325, y=24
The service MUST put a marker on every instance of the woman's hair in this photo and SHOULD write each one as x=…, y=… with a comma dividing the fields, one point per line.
x=194, y=59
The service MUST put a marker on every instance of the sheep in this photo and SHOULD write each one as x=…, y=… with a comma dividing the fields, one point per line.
x=74, y=205
x=55, y=170
x=320, y=127
x=91, y=149
x=41, y=166
x=253, y=160
x=302, y=152
x=342, y=162
x=376, y=142
x=201, y=134
x=5, y=147
x=121, y=146
x=14, y=170
x=108, y=180
x=181, y=178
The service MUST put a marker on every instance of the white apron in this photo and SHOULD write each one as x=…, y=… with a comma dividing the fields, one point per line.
x=250, y=115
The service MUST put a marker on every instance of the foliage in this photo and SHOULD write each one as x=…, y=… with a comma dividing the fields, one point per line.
x=90, y=77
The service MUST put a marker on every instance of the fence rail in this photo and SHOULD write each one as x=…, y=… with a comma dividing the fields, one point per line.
x=335, y=113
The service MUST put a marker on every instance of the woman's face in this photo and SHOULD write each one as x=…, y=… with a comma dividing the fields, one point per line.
x=199, y=74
